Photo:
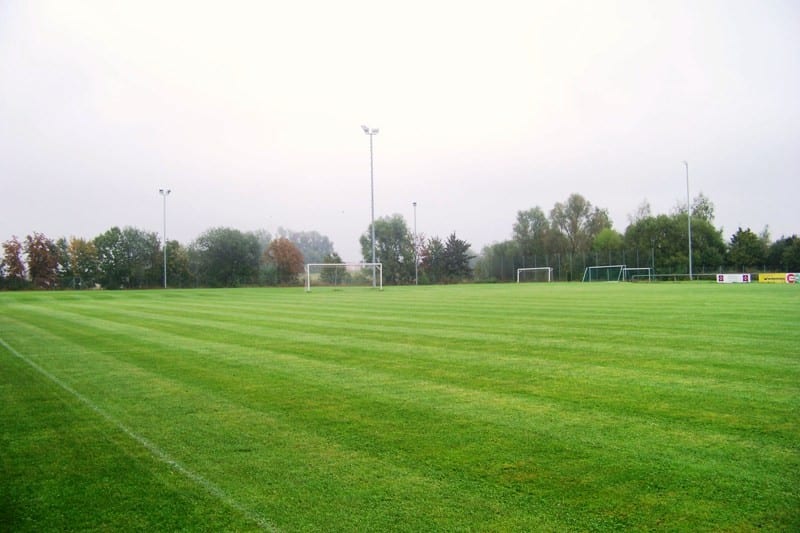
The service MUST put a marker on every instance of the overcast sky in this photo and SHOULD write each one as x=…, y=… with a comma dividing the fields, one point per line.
x=251, y=111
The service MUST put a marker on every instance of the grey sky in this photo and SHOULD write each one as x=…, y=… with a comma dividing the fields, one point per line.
x=251, y=111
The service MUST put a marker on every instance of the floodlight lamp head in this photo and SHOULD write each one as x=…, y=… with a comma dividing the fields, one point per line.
x=366, y=129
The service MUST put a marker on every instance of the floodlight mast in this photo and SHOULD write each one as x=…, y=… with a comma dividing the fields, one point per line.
x=689, y=218
x=416, y=252
x=371, y=132
x=165, y=193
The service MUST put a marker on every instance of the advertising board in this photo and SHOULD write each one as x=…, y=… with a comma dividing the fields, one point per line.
x=780, y=277
x=734, y=278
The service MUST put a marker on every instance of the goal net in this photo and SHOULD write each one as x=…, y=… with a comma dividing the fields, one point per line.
x=534, y=274
x=603, y=273
x=637, y=274
x=344, y=275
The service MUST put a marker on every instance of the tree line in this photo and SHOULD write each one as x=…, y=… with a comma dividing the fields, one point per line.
x=131, y=258
x=577, y=235
x=572, y=236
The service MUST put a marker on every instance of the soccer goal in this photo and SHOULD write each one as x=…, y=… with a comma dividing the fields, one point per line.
x=344, y=275
x=603, y=273
x=534, y=274
x=637, y=274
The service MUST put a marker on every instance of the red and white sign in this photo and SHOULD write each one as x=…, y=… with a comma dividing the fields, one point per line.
x=791, y=277
x=734, y=278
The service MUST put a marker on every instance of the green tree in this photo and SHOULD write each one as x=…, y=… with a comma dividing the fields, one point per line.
x=498, y=262
x=531, y=234
x=608, y=240
x=784, y=254
x=112, y=259
x=394, y=248
x=42, y=255
x=145, y=257
x=128, y=258
x=579, y=222
x=456, y=259
x=82, y=263
x=178, y=271
x=333, y=276
x=225, y=257
x=433, y=265
x=708, y=245
x=64, y=268
x=702, y=208
x=642, y=211
x=665, y=236
x=746, y=250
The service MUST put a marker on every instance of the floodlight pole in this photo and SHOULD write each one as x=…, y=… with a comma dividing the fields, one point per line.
x=689, y=218
x=164, y=193
x=416, y=259
x=372, y=132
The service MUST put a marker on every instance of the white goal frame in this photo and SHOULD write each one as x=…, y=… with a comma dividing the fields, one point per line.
x=648, y=273
x=549, y=271
x=598, y=267
x=377, y=270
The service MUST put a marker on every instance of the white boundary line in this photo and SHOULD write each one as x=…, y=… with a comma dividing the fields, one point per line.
x=149, y=446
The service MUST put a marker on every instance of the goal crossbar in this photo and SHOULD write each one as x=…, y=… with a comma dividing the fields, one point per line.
x=377, y=271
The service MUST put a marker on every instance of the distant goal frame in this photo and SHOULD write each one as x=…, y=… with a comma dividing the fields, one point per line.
x=589, y=269
x=377, y=272
x=549, y=271
x=633, y=277
x=624, y=273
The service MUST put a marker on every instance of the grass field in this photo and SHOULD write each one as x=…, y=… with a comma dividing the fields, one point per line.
x=560, y=407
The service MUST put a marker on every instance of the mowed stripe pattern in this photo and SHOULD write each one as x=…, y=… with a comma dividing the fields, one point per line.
x=467, y=407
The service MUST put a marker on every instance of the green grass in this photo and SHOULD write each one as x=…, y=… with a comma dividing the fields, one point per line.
x=595, y=407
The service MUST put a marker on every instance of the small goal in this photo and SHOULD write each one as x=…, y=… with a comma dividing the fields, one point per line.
x=340, y=275
x=637, y=274
x=604, y=273
x=534, y=274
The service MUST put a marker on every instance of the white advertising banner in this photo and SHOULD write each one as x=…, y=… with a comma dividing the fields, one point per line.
x=734, y=278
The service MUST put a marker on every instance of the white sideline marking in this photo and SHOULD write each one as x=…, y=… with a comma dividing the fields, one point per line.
x=149, y=446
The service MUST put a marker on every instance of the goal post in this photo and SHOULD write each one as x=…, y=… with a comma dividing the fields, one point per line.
x=535, y=274
x=603, y=273
x=344, y=275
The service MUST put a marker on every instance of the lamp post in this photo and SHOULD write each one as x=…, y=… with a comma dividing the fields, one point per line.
x=164, y=193
x=416, y=258
x=689, y=218
x=371, y=132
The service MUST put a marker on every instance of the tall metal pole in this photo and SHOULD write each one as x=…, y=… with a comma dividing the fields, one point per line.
x=416, y=259
x=689, y=218
x=372, y=132
x=164, y=193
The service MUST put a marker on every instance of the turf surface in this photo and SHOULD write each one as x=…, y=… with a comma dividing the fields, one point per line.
x=487, y=408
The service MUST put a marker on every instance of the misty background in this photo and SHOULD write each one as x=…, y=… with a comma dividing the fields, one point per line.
x=250, y=113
